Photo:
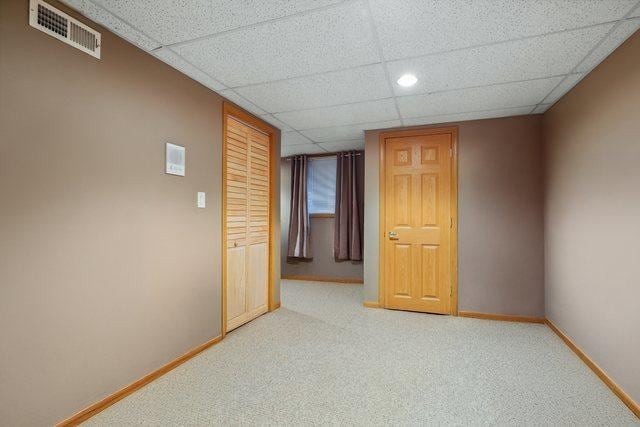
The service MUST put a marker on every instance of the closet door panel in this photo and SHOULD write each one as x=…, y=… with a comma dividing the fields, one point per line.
x=257, y=278
x=236, y=284
x=236, y=221
x=247, y=222
x=258, y=273
x=259, y=188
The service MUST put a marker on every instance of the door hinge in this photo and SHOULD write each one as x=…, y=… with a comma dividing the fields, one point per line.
x=450, y=152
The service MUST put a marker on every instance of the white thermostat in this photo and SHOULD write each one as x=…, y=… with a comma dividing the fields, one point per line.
x=175, y=155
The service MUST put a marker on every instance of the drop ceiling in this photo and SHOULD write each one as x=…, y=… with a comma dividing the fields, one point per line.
x=323, y=71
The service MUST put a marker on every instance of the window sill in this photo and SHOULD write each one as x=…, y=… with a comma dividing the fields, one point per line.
x=322, y=215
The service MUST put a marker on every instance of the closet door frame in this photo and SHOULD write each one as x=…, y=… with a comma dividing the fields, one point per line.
x=235, y=112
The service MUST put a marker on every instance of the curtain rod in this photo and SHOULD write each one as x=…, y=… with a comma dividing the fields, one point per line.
x=335, y=153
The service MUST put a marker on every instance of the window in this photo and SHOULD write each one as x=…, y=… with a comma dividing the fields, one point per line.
x=321, y=185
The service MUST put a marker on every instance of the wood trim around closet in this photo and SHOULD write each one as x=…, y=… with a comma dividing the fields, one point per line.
x=453, y=130
x=231, y=110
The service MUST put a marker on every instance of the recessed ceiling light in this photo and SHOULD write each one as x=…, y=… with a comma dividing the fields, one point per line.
x=407, y=80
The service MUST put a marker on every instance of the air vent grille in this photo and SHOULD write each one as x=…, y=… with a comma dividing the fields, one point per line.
x=52, y=21
x=58, y=24
x=82, y=36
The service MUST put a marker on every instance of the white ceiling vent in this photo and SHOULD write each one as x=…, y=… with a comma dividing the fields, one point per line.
x=58, y=24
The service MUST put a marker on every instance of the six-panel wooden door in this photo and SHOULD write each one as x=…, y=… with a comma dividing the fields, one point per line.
x=246, y=223
x=418, y=217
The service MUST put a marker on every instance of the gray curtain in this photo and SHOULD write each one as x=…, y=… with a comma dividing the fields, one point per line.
x=349, y=219
x=299, y=244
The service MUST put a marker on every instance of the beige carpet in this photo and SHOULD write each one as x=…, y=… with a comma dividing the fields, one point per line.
x=324, y=359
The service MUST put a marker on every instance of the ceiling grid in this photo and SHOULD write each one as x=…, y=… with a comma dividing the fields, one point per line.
x=323, y=71
x=381, y=53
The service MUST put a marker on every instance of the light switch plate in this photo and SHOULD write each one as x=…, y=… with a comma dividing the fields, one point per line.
x=202, y=200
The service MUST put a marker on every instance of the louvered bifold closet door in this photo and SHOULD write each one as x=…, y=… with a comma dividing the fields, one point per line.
x=258, y=252
x=247, y=223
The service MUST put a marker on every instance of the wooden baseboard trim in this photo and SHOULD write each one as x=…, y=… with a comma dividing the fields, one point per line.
x=275, y=306
x=325, y=279
x=615, y=388
x=502, y=317
x=372, y=304
x=103, y=404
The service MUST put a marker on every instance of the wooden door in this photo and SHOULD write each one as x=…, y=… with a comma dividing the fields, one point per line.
x=418, y=218
x=246, y=223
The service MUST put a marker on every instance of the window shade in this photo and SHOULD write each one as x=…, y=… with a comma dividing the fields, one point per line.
x=321, y=184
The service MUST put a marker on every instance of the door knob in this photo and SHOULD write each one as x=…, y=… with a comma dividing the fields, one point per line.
x=393, y=235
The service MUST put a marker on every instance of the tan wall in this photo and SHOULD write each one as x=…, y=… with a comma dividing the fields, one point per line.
x=500, y=222
x=323, y=263
x=592, y=215
x=107, y=268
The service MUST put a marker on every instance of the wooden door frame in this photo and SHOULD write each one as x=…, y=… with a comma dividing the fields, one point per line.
x=231, y=110
x=383, y=136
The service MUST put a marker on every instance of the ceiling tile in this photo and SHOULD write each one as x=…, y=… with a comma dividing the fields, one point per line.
x=622, y=32
x=541, y=108
x=316, y=67
x=171, y=21
x=294, y=138
x=325, y=40
x=564, y=87
x=356, y=144
x=171, y=58
x=340, y=133
x=238, y=100
x=429, y=26
x=277, y=123
x=113, y=23
x=338, y=87
x=495, y=97
x=290, y=150
x=531, y=58
x=447, y=118
x=339, y=115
